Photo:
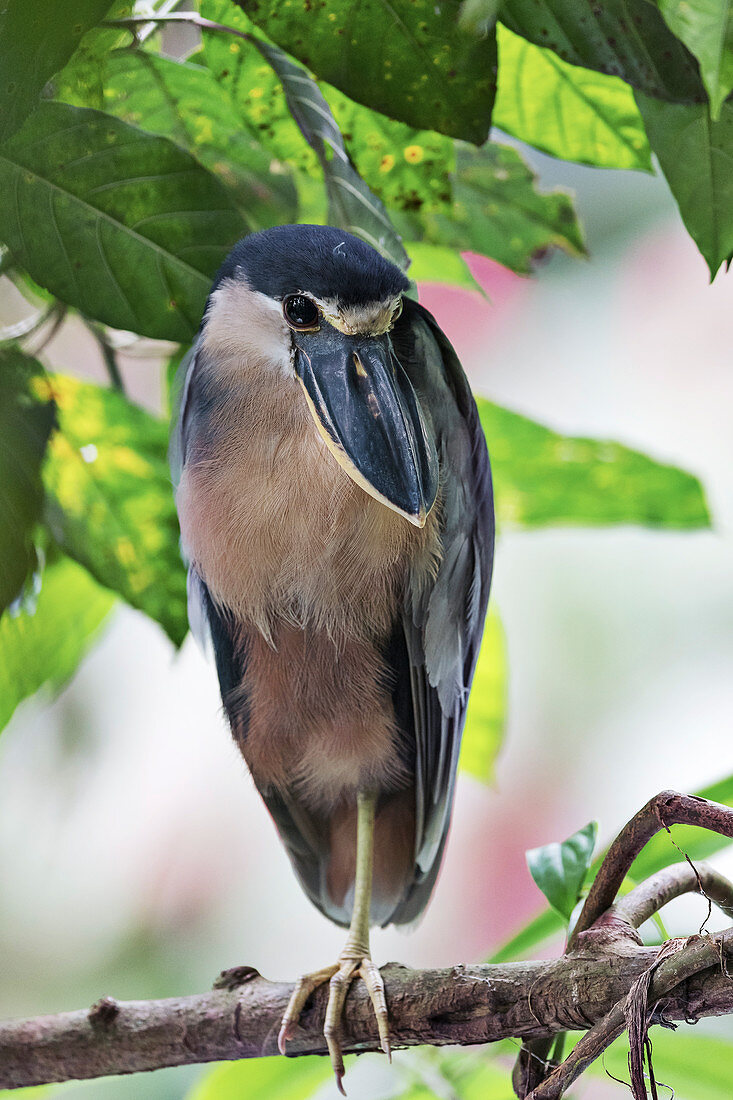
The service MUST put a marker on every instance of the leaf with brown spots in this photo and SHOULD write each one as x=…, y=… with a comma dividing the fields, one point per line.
x=498, y=211
x=109, y=502
x=408, y=59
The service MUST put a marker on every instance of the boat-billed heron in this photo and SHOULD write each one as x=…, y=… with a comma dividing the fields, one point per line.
x=335, y=501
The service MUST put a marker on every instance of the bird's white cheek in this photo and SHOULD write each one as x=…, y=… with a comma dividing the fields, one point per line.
x=244, y=325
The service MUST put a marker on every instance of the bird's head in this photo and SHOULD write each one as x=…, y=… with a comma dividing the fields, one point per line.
x=318, y=304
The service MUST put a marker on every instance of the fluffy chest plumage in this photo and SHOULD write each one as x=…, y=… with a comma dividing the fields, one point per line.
x=278, y=530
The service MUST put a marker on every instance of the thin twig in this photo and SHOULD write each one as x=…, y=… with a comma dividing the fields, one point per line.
x=108, y=355
x=130, y=22
x=57, y=316
x=646, y=899
x=665, y=809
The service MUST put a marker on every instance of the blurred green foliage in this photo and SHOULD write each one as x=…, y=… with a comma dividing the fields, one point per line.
x=109, y=503
x=262, y=1079
x=42, y=642
x=26, y=422
x=487, y=704
x=123, y=194
x=543, y=478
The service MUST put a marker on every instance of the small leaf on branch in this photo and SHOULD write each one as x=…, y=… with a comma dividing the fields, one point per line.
x=696, y=155
x=125, y=226
x=559, y=869
x=41, y=646
x=27, y=418
x=109, y=499
x=543, y=478
x=409, y=61
x=567, y=111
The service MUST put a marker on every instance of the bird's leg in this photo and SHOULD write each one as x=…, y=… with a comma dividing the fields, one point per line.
x=355, y=959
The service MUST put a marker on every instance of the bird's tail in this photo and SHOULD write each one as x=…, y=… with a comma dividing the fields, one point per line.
x=323, y=855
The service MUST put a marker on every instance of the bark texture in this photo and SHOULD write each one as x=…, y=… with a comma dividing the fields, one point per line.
x=463, y=1004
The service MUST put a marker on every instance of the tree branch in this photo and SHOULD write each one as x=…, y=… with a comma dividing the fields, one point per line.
x=665, y=809
x=697, y=954
x=650, y=896
x=466, y=1005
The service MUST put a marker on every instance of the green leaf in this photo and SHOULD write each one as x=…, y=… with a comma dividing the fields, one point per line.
x=125, y=226
x=26, y=422
x=566, y=111
x=185, y=103
x=697, y=1067
x=545, y=478
x=253, y=86
x=81, y=80
x=39, y=1092
x=696, y=155
x=661, y=851
x=559, y=869
x=498, y=212
x=457, y=1073
x=41, y=646
x=352, y=205
x=408, y=169
x=36, y=40
x=410, y=61
x=626, y=38
x=486, y=716
x=110, y=502
x=262, y=1079
x=668, y=847
x=434, y=263
x=540, y=928
x=706, y=28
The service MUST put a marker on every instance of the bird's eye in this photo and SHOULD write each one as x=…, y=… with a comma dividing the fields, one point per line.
x=301, y=313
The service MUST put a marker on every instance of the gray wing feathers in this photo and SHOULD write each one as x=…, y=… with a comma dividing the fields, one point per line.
x=443, y=623
x=179, y=401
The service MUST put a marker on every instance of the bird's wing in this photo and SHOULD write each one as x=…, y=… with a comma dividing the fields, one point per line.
x=443, y=618
x=181, y=429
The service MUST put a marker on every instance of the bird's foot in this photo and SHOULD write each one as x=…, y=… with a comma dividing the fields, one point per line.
x=350, y=965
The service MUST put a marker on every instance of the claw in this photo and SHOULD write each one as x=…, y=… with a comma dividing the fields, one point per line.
x=303, y=989
x=339, y=977
x=285, y=1033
